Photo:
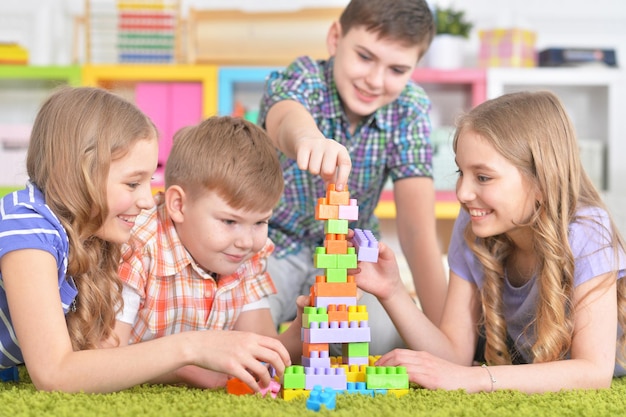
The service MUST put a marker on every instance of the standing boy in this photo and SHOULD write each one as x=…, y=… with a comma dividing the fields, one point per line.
x=197, y=261
x=356, y=119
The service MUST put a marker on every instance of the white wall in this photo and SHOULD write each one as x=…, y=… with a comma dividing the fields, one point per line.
x=46, y=28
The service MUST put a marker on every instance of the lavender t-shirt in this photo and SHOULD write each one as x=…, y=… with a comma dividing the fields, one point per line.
x=590, y=243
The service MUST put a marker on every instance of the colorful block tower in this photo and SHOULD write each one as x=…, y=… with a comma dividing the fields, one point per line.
x=333, y=315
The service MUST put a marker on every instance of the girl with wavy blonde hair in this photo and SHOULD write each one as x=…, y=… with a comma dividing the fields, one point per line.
x=536, y=263
x=90, y=161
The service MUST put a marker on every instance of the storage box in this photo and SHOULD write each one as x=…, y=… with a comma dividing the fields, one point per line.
x=507, y=48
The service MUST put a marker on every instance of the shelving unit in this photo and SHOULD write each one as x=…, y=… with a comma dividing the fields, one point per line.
x=172, y=95
x=240, y=84
x=23, y=89
x=591, y=99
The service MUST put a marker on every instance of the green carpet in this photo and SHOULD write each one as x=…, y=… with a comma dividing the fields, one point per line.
x=21, y=399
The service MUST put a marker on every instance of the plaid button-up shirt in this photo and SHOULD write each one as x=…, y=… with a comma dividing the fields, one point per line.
x=392, y=143
x=176, y=295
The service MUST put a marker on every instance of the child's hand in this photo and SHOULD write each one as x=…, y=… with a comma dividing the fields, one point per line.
x=325, y=157
x=381, y=278
x=432, y=372
x=244, y=355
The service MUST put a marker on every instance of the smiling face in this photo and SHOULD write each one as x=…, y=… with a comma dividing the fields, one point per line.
x=219, y=237
x=493, y=191
x=128, y=190
x=369, y=72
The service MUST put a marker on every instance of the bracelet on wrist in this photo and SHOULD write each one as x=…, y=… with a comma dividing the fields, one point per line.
x=491, y=378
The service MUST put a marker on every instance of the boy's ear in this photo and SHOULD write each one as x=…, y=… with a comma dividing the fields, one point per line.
x=175, y=199
x=332, y=39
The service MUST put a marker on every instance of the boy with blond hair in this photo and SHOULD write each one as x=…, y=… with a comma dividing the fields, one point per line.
x=197, y=261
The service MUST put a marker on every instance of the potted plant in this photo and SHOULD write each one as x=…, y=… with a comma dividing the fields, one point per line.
x=447, y=48
x=452, y=22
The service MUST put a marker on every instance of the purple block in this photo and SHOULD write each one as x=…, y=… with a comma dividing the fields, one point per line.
x=335, y=332
x=366, y=245
x=334, y=378
x=318, y=359
x=326, y=301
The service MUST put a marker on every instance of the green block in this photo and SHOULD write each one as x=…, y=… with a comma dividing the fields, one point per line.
x=386, y=377
x=323, y=260
x=355, y=350
x=336, y=275
x=348, y=261
x=312, y=314
x=294, y=377
x=336, y=226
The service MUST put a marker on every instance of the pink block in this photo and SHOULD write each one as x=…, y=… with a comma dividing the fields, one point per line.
x=350, y=212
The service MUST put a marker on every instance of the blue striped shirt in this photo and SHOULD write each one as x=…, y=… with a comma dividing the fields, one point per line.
x=393, y=142
x=26, y=222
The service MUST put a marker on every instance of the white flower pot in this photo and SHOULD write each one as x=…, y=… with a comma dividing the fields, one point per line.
x=446, y=52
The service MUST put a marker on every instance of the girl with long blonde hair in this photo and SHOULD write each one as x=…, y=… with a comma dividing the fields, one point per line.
x=536, y=263
x=90, y=161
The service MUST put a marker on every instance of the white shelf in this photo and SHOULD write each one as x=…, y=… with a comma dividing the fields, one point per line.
x=590, y=96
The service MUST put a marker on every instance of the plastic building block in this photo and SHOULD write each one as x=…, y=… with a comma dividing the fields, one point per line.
x=291, y=394
x=322, y=260
x=336, y=226
x=336, y=244
x=387, y=377
x=347, y=260
x=336, y=274
x=354, y=373
x=236, y=386
x=358, y=388
x=349, y=212
x=326, y=301
x=9, y=374
x=307, y=348
x=327, y=377
x=325, y=211
x=338, y=198
x=358, y=313
x=337, y=332
x=334, y=289
x=273, y=389
x=337, y=312
x=294, y=377
x=312, y=314
x=355, y=350
x=319, y=398
x=366, y=245
x=316, y=359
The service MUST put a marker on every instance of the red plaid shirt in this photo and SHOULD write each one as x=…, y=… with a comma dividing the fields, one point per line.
x=177, y=295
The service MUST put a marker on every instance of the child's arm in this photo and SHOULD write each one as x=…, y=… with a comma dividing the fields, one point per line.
x=296, y=134
x=260, y=321
x=441, y=357
x=35, y=306
x=416, y=225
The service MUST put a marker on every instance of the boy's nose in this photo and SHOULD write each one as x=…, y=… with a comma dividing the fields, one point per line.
x=375, y=76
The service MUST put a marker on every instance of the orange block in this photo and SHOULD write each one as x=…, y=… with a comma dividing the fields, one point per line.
x=338, y=198
x=307, y=348
x=237, y=387
x=325, y=211
x=335, y=289
x=336, y=246
x=337, y=312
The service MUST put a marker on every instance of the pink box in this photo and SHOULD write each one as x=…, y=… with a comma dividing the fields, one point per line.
x=507, y=48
